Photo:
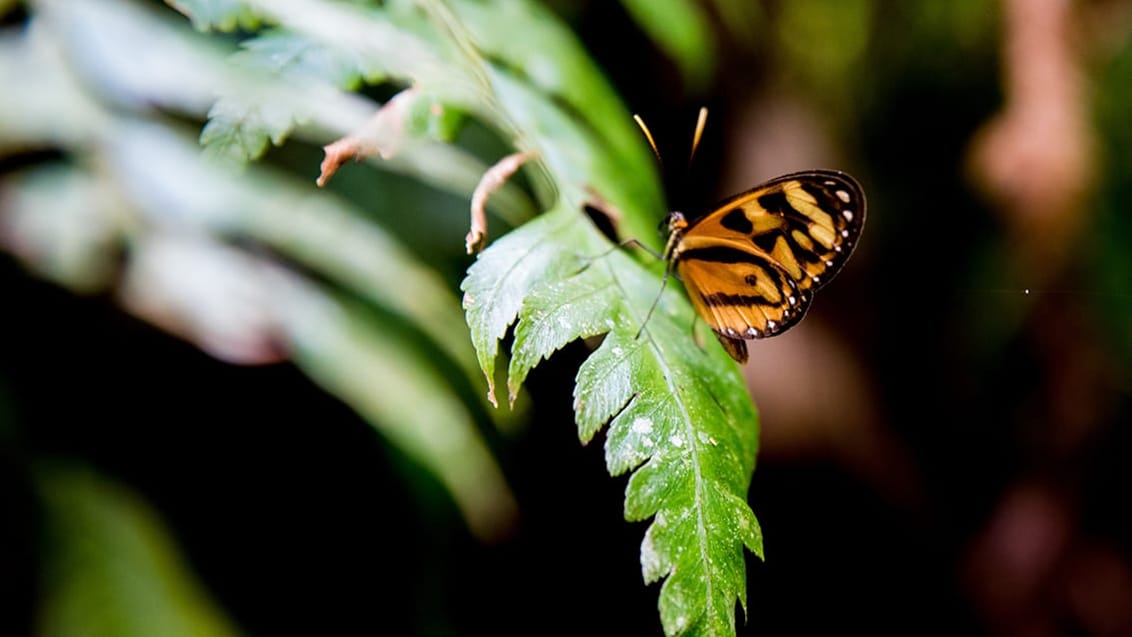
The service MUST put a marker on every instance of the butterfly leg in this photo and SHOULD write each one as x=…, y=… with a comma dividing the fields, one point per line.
x=587, y=261
x=696, y=338
x=624, y=244
x=663, y=283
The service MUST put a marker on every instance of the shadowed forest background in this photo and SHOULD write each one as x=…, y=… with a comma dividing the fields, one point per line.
x=944, y=438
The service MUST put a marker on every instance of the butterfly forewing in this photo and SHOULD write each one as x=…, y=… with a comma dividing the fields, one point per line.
x=751, y=265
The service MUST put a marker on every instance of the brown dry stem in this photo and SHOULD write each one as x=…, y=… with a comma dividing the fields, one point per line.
x=492, y=180
x=383, y=135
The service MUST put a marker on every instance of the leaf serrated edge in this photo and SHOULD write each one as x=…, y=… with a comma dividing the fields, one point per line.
x=699, y=496
x=480, y=306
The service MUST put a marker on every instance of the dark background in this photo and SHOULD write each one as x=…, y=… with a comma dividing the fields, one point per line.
x=975, y=483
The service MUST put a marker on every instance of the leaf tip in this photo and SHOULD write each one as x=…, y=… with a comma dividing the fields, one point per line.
x=473, y=242
x=338, y=153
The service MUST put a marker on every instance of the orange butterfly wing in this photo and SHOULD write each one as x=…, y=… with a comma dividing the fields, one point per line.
x=751, y=265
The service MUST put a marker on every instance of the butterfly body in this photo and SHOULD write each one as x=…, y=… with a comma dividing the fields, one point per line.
x=752, y=264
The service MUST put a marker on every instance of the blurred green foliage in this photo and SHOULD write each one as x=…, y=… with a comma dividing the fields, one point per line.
x=356, y=284
x=1109, y=259
x=111, y=567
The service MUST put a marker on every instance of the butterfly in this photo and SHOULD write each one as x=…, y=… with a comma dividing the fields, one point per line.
x=751, y=264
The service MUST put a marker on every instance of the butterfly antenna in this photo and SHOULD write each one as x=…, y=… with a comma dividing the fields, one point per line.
x=663, y=283
x=701, y=122
x=648, y=135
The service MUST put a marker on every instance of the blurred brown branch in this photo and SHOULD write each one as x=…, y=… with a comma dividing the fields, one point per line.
x=1036, y=157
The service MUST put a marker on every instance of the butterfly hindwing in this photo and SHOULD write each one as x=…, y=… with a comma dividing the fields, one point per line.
x=740, y=294
x=751, y=265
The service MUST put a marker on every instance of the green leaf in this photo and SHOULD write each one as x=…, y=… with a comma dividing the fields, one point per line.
x=678, y=414
x=682, y=29
x=580, y=163
x=430, y=118
x=504, y=275
x=62, y=224
x=676, y=411
x=306, y=59
x=746, y=21
x=289, y=54
x=537, y=66
x=239, y=132
x=352, y=354
x=157, y=190
x=112, y=568
x=524, y=37
x=217, y=15
x=556, y=314
x=168, y=182
x=383, y=44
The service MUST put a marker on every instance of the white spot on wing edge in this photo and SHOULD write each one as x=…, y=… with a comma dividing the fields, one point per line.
x=842, y=195
x=848, y=214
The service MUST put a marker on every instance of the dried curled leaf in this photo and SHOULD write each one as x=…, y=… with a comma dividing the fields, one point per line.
x=383, y=135
x=492, y=181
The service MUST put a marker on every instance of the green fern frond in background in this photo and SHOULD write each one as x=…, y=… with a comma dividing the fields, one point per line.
x=679, y=416
x=112, y=568
x=192, y=164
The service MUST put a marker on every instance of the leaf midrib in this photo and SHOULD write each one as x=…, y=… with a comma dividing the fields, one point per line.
x=693, y=449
